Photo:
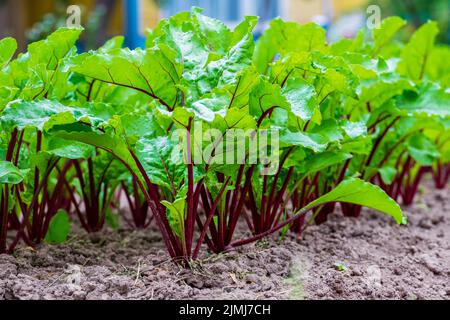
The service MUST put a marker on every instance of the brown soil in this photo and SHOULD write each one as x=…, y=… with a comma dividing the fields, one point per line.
x=366, y=258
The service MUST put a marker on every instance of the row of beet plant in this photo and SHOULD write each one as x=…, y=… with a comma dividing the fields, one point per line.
x=96, y=135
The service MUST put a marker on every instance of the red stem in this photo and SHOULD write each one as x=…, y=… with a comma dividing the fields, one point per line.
x=209, y=218
x=274, y=229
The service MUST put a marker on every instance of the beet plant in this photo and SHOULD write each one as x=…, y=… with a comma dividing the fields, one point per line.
x=218, y=139
x=194, y=94
x=372, y=95
x=39, y=197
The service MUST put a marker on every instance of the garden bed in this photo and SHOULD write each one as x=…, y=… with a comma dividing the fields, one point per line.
x=366, y=258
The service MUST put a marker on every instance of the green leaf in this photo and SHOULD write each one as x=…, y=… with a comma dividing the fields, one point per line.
x=359, y=192
x=428, y=101
x=360, y=145
x=381, y=89
x=181, y=33
x=236, y=119
x=238, y=58
x=22, y=114
x=55, y=47
x=181, y=116
x=98, y=114
x=302, y=98
x=134, y=126
x=265, y=96
x=7, y=48
x=438, y=66
x=330, y=130
x=212, y=104
x=59, y=228
x=240, y=91
x=318, y=162
x=112, y=144
x=307, y=140
x=113, y=43
x=287, y=37
x=69, y=149
x=423, y=150
x=354, y=129
x=162, y=159
x=293, y=65
x=243, y=28
x=384, y=34
x=416, y=54
x=10, y=174
x=388, y=174
x=154, y=72
x=213, y=31
x=340, y=267
x=176, y=215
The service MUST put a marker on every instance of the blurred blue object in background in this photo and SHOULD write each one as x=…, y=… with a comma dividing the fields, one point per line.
x=133, y=36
